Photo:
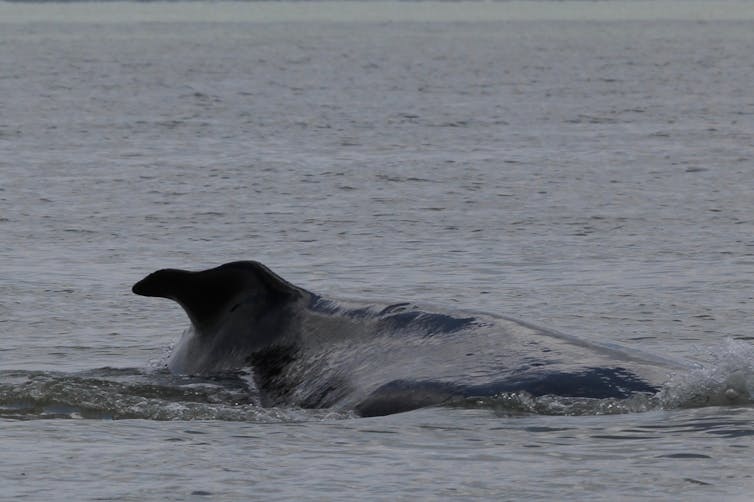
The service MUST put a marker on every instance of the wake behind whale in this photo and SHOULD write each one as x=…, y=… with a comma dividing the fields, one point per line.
x=308, y=351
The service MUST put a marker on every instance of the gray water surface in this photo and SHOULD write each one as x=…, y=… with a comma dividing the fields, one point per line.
x=590, y=175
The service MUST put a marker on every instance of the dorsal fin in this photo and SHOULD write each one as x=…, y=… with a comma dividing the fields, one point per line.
x=209, y=294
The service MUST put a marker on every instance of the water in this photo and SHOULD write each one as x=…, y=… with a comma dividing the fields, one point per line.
x=583, y=167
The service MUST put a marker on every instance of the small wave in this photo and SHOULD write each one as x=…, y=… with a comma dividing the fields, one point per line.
x=117, y=394
x=523, y=403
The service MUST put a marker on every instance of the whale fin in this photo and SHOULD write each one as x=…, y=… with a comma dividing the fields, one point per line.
x=209, y=295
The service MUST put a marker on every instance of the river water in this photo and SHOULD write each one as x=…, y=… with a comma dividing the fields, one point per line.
x=582, y=166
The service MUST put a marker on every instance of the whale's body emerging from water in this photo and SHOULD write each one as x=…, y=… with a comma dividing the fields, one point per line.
x=308, y=351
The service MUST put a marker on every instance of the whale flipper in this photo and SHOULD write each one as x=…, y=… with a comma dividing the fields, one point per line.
x=208, y=295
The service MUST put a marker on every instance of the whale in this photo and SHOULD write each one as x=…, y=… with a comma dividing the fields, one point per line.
x=305, y=350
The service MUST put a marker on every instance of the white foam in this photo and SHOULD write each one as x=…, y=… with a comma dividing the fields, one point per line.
x=728, y=379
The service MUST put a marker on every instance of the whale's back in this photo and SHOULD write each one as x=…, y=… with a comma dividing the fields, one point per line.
x=394, y=359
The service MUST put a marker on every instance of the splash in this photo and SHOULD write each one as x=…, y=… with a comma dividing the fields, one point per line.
x=522, y=403
x=727, y=380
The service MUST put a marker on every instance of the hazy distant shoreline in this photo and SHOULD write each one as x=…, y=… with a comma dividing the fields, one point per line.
x=372, y=10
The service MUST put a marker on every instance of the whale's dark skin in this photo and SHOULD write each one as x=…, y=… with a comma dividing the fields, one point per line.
x=305, y=350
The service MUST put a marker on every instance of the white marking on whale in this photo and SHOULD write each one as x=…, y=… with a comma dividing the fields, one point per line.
x=305, y=350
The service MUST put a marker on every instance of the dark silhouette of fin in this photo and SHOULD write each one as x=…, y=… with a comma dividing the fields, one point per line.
x=208, y=295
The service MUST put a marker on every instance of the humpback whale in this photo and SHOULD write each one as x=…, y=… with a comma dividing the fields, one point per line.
x=376, y=359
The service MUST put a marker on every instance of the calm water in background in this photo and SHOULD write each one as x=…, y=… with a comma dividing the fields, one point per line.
x=594, y=176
